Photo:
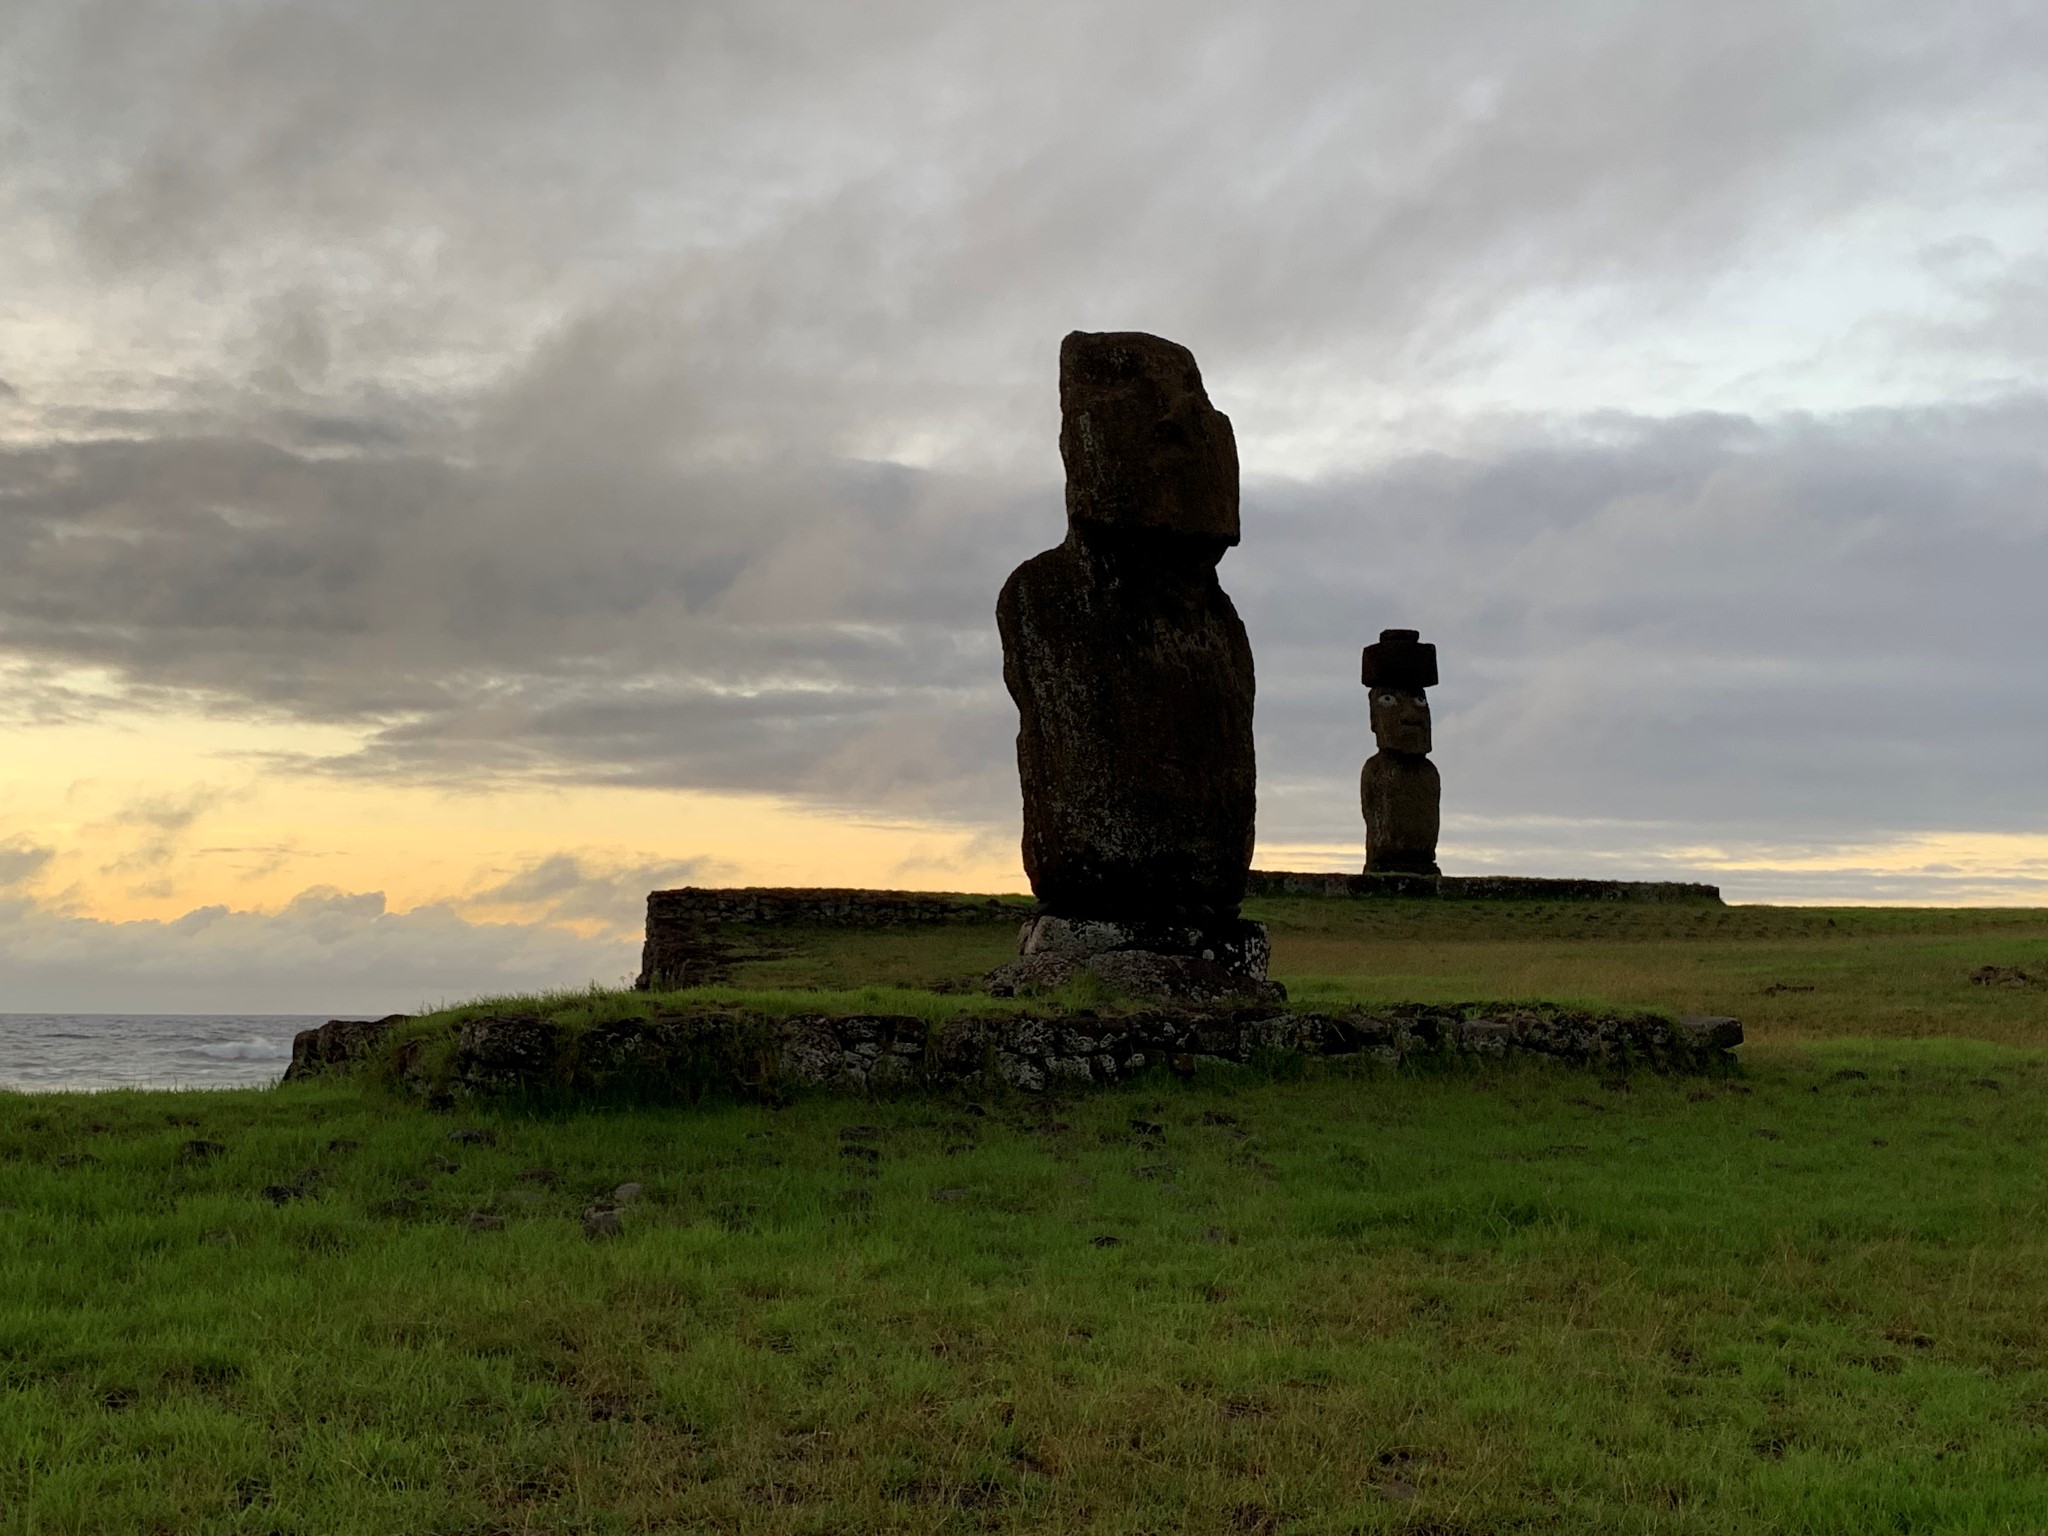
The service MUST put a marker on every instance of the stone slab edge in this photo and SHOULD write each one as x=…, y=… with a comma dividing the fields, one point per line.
x=681, y=1055
x=1265, y=882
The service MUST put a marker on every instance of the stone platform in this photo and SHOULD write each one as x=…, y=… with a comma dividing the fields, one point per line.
x=683, y=1055
x=1268, y=882
x=688, y=942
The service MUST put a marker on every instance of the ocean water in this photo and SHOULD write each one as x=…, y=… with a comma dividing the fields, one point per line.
x=41, y=1052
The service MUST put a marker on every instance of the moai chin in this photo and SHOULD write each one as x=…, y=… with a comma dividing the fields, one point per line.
x=1399, y=791
x=1129, y=666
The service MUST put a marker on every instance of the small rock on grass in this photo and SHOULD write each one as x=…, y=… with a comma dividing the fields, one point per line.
x=628, y=1192
x=2000, y=976
x=484, y=1221
x=1105, y=1241
x=600, y=1222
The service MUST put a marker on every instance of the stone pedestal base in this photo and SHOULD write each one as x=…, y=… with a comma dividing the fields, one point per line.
x=1239, y=946
x=1219, y=961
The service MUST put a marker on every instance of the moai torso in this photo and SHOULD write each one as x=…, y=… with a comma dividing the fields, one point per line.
x=1129, y=666
x=1399, y=791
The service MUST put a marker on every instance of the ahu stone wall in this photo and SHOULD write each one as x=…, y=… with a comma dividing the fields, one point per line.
x=684, y=1055
x=1270, y=882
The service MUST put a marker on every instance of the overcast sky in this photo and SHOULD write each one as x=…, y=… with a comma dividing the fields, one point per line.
x=412, y=416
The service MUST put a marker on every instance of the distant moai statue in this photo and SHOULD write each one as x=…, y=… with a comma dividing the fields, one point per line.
x=1399, y=791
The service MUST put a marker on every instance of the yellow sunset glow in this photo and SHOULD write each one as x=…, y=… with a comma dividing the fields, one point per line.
x=153, y=816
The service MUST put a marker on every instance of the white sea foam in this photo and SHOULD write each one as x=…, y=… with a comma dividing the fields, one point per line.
x=42, y=1052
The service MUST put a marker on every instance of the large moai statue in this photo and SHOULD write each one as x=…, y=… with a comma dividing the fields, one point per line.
x=1132, y=674
x=1399, y=791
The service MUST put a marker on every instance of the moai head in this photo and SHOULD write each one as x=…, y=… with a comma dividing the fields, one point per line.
x=1145, y=450
x=1396, y=671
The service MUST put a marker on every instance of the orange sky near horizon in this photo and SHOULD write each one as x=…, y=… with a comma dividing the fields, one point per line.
x=149, y=816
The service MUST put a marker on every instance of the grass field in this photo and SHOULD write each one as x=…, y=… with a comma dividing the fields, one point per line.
x=1525, y=1299
x=1871, y=971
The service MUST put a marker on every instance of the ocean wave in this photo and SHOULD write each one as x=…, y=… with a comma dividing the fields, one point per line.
x=246, y=1050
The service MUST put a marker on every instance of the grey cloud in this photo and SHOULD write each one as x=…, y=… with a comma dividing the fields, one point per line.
x=638, y=625
x=164, y=821
x=174, y=813
x=1826, y=622
x=889, y=209
x=515, y=382
x=22, y=860
x=610, y=894
x=1822, y=624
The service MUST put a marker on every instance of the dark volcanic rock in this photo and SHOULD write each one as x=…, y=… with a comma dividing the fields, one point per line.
x=756, y=1056
x=337, y=1045
x=1231, y=942
x=1399, y=790
x=1222, y=960
x=501, y=1052
x=2000, y=976
x=1143, y=447
x=1276, y=882
x=1401, y=795
x=1129, y=666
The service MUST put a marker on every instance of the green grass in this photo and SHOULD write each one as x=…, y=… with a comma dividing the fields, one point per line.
x=1888, y=972
x=1515, y=1299
x=1871, y=971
